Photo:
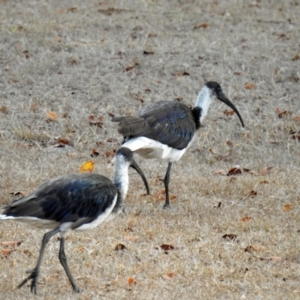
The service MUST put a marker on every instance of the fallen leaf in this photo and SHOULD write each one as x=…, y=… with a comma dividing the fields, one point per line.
x=239, y=73
x=296, y=118
x=284, y=114
x=131, y=281
x=72, y=9
x=229, y=237
x=252, y=194
x=27, y=252
x=180, y=73
x=109, y=11
x=275, y=258
x=57, y=39
x=203, y=25
x=166, y=247
x=88, y=166
x=296, y=57
x=287, y=207
x=249, y=86
x=96, y=121
x=26, y=54
x=5, y=252
x=229, y=143
x=120, y=247
x=252, y=248
x=264, y=182
x=100, y=143
x=228, y=112
x=131, y=67
x=234, y=171
x=94, y=153
x=110, y=153
x=169, y=275
x=52, y=115
x=4, y=109
x=148, y=52
x=11, y=243
x=296, y=137
x=112, y=140
x=62, y=143
x=265, y=171
x=248, y=249
x=246, y=219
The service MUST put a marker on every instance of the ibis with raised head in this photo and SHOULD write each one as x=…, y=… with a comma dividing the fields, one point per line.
x=166, y=129
x=72, y=202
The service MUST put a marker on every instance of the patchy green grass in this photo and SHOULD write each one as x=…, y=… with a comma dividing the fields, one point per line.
x=234, y=237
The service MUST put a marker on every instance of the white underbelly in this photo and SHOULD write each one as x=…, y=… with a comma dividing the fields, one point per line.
x=148, y=148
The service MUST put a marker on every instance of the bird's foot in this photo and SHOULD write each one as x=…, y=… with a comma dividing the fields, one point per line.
x=76, y=289
x=34, y=275
x=166, y=206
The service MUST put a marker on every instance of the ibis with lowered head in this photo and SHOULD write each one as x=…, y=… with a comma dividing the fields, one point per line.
x=166, y=129
x=72, y=202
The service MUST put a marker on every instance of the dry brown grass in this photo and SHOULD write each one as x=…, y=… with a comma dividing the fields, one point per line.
x=71, y=58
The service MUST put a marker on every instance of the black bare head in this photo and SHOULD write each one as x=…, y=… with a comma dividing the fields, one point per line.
x=213, y=85
x=126, y=153
x=218, y=93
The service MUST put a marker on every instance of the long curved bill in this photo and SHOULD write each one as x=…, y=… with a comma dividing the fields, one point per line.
x=135, y=166
x=221, y=96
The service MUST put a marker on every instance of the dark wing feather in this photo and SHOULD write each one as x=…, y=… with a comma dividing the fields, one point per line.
x=133, y=126
x=67, y=199
x=171, y=123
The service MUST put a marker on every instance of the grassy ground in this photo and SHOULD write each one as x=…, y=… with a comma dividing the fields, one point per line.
x=105, y=58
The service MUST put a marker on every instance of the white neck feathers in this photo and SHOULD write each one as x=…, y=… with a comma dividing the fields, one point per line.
x=121, y=178
x=203, y=101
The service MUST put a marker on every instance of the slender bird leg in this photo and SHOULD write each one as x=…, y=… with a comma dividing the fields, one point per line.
x=166, y=182
x=34, y=274
x=63, y=260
